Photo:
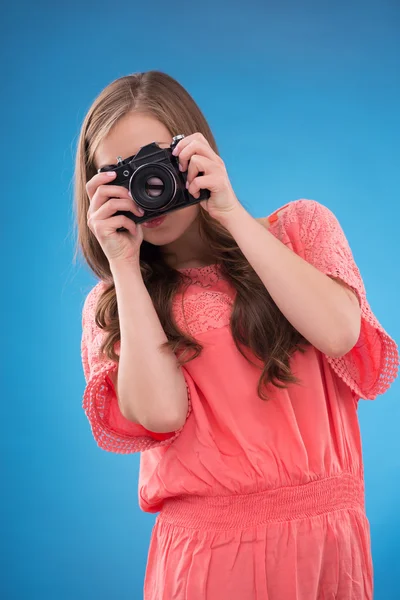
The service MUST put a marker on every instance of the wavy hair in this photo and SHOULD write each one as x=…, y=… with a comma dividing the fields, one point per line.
x=256, y=321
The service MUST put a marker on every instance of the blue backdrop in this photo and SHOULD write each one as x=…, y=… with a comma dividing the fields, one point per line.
x=303, y=99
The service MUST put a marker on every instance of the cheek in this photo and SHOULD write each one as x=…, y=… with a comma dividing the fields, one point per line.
x=189, y=214
x=181, y=220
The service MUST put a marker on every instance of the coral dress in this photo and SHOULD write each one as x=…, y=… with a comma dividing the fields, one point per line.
x=257, y=500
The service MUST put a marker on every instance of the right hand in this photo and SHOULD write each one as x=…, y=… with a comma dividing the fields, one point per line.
x=105, y=201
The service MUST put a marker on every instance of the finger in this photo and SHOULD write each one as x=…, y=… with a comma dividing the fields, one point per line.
x=105, y=192
x=181, y=144
x=114, y=223
x=103, y=228
x=206, y=182
x=127, y=223
x=108, y=209
x=199, y=164
x=187, y=140
x=98, y=179
x=195, y=147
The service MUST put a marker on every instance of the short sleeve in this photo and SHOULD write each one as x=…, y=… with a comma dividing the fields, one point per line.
x=371, y=365
x=112, y=431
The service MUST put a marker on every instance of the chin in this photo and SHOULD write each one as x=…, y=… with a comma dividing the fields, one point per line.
x=161, y=238
x=175, y=225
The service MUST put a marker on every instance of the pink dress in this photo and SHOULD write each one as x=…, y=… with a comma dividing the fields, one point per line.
x=256, y=500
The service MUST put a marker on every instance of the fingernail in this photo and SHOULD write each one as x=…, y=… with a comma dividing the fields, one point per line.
x=110, y=173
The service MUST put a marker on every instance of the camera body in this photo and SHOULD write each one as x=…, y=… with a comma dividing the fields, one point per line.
x=154, y=180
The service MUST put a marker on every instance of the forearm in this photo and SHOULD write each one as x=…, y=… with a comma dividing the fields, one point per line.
x=151, y=386
x=321, y=309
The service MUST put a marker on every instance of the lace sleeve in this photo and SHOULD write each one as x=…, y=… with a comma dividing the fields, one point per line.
x=111, y=430
x=371, y=365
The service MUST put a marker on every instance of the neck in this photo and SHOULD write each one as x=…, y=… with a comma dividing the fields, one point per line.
x=189, y=250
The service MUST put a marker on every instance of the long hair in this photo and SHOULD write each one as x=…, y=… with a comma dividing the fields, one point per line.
x=256, y=321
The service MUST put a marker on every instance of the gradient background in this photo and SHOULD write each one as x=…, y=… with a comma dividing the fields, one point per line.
x=304, y=102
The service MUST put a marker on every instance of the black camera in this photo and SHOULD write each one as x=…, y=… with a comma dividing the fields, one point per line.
x=154, y=180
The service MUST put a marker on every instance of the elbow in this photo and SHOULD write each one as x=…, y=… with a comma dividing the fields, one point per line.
x=338, y=352
x=155, y=425
x=164, y=425
x=127, y=413
x=341, y=345
x=175, y=407
x=164, y=415
x=346, y=329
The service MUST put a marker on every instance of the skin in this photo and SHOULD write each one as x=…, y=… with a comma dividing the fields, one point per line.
x=322, y=309
x=179, y=234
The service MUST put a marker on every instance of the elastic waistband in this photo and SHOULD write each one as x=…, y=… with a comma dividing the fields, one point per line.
x=281, y=504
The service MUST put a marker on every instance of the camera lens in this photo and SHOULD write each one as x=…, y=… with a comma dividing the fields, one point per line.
x=153, y=186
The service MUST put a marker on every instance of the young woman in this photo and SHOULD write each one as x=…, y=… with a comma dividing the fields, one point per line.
x=231, y=352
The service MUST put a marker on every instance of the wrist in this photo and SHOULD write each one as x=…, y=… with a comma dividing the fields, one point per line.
x=233, y=217
x=124, y=266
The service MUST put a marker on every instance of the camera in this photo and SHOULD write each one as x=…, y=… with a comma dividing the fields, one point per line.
x=154, y=180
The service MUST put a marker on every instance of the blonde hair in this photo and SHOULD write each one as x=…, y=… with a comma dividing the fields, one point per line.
x=256, y=321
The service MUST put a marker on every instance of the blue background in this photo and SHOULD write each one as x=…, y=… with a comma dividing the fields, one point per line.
x=303, y=99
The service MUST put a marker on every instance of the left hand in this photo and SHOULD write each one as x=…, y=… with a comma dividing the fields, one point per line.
x=197, y=152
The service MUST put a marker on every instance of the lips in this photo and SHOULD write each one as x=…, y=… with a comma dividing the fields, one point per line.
x=154, y=222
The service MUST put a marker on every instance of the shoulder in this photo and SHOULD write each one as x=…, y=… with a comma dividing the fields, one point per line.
x=300, y=210
x=296, y=209
x=298, y=216
x=303, y=223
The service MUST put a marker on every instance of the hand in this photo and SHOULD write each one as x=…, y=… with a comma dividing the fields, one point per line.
x=105, y=200
x=195, y=150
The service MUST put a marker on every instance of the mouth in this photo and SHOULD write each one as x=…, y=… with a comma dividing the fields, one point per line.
x=156, y=222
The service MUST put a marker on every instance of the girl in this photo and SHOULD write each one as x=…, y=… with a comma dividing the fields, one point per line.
x=231, y=352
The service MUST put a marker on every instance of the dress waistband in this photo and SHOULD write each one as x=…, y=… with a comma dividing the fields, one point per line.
x=345, y=491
